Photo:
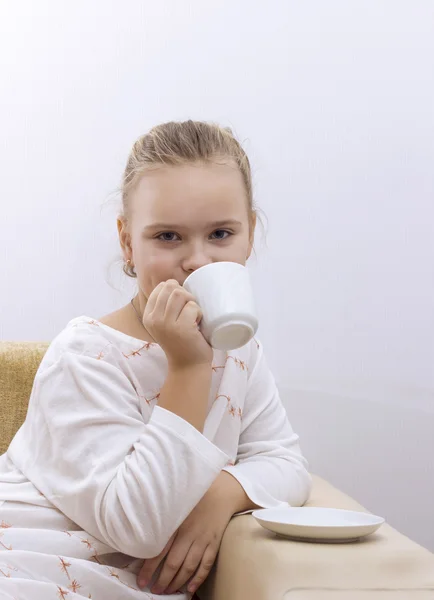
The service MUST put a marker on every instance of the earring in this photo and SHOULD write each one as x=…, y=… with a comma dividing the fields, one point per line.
x=128, y=268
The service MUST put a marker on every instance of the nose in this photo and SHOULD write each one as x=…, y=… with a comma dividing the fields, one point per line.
x=195, y=258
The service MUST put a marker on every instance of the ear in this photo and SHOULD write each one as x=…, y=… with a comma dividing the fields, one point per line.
x=253, y=220
x=124, y=238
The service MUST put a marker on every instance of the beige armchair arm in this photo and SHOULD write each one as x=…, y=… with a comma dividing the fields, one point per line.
x=256, y=565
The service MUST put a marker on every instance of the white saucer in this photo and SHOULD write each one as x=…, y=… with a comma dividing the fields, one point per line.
x=318, y=524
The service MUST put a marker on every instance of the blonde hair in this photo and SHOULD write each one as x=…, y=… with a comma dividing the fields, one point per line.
x=177, y=143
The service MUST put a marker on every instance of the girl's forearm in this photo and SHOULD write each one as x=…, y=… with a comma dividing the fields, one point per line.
x=230, y=493
x=185, y=393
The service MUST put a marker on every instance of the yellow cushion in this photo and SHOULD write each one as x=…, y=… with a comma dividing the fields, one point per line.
x=19, y=362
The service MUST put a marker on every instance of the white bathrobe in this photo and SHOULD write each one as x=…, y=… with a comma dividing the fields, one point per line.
x=99, y=476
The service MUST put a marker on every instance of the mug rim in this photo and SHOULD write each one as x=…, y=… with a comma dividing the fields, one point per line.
x=209, y=265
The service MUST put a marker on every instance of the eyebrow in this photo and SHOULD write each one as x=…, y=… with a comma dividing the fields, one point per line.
x=172, y=227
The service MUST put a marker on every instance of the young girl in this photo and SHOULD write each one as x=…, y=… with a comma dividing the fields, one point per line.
x=140, y=441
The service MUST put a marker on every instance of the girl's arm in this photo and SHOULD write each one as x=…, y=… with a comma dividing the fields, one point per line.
x=185, y=393
x=270, y=470
x=127, y=482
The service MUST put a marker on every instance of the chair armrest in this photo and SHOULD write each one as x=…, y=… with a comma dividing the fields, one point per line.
x=254, y=564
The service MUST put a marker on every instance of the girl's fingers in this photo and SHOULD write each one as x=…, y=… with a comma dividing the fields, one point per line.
x=188, y=568
x=172, y=564
x=150, y=565
x=175, y=304
x=205, y=567
x=150, y=304
x=190, y=314
x=163, y=297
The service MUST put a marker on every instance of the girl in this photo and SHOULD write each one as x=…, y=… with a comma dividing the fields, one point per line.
x=140, y=441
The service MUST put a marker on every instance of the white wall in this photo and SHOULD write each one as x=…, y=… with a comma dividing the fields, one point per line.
x=335, y=103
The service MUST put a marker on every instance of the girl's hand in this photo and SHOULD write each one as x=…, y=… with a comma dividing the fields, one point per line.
x=190, y=554
x=172, y=318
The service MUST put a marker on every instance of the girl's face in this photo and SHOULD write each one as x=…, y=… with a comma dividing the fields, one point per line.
x=185, y=217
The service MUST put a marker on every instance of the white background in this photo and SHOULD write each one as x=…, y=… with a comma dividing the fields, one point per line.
x=334, y=102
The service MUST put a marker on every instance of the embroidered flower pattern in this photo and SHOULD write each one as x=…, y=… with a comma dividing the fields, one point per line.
x=74, y=586
x=95, y=557
x=64, y=566
x=228, y=398
x=61, y=593
x=4, y=545
x=11, y=568
x=240, y=363
x=149, y=401
x=113, y=573
x=137, y=352
x=233, y=410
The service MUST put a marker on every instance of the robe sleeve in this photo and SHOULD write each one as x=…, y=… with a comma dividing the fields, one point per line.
x=128, y=482
x=269, y=466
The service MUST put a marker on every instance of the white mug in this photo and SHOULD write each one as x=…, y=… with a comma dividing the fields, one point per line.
x=224, y=293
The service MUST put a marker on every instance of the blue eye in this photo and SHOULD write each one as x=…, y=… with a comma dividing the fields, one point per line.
x=221, y=234
x=168, y=236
